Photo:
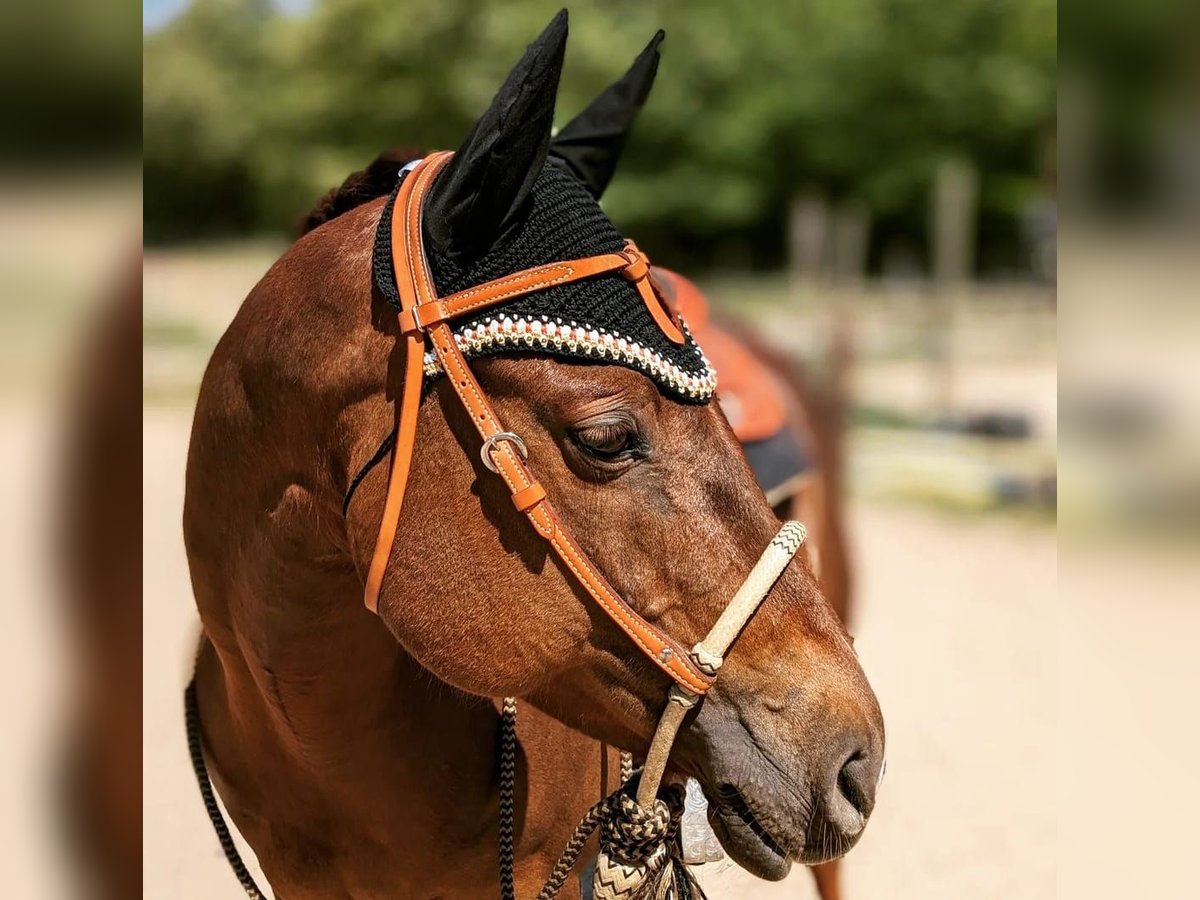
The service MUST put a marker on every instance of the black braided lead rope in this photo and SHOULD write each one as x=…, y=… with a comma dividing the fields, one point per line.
x=191, y=715
x=631, y=830
x=508, y=771
x=570, y=855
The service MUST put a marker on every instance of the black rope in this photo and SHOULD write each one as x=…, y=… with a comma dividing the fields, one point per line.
x=508, y=769
x=191, y=713
x=376, y=458
x=384, y=277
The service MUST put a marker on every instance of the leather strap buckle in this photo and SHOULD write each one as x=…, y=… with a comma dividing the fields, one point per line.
x=485, y=452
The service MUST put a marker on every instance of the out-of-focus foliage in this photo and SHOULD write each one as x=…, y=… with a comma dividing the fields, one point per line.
x=1130, y=74
x=250, y=114
x=68, y=83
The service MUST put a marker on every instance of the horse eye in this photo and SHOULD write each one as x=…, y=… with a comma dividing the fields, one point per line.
x=606, y=440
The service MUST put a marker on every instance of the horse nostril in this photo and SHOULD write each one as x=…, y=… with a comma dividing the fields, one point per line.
x=844, y=805
x=856, y=782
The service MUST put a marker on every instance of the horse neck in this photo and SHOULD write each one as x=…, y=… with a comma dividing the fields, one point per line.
x=340, y=692
x=338, y=739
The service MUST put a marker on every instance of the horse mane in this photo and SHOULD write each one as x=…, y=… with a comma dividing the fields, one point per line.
x=363, y=186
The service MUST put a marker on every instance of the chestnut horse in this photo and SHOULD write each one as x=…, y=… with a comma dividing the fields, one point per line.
x=357, y=753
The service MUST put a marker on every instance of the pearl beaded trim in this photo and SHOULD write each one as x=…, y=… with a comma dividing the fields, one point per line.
x=571, y=338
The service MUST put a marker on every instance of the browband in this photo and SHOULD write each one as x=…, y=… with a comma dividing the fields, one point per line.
x=424, y=318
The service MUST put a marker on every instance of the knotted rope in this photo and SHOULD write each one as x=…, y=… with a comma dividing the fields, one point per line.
x=640, y=853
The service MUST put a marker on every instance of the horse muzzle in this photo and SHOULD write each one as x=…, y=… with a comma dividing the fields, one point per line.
x=770, y=808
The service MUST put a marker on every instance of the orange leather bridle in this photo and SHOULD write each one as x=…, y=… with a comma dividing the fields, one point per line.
x=424, y=319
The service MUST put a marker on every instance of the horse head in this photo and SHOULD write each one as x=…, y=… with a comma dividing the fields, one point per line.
x=788, y=745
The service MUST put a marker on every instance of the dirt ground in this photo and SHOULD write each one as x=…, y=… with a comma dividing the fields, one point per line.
x=954, y=627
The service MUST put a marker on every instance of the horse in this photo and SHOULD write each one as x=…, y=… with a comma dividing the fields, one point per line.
x=355, y=750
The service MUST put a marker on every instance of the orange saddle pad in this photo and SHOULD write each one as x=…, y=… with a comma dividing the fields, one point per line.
x=751, y=395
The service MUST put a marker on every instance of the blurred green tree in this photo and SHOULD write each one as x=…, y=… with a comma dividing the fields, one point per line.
x=68, y=86
x=250, y=115
x=204, y=79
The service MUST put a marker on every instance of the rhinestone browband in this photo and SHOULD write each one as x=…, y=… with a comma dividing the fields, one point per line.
x=570, y=337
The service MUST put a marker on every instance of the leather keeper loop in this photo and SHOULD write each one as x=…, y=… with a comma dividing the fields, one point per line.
x=529, y=497
x=422, y=318
x=638, y=268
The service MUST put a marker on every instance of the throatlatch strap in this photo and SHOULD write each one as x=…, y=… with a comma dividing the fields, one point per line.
x=408, y=404
x=425, y=315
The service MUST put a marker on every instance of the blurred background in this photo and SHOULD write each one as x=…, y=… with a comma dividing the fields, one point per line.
x=887, y=174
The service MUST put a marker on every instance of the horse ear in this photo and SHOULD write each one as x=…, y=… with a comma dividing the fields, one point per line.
x=484, y=190
x=590, y=145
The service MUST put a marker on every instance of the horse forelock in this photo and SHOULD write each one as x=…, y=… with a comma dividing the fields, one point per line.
x=363, y=186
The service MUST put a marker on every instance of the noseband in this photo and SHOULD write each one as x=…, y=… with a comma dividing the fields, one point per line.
x=424, y=320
